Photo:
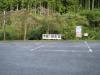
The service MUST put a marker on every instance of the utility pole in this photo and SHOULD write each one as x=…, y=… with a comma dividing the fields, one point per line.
x=4, y=24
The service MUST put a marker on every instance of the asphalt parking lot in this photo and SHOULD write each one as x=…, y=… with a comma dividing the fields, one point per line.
x=50, y=58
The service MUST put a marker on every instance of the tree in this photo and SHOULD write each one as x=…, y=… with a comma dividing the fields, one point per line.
x=4, y=26
x=92, y=4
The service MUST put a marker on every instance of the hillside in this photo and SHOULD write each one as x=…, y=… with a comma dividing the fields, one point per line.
x=29, y=19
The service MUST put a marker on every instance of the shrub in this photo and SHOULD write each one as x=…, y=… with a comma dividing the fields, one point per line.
x=92, y=16
x=1, y=35
x=35, y=34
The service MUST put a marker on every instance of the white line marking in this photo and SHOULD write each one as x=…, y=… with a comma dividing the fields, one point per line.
x=72, y=51
x=90, y=50
x=37, y=48
x=63, y=46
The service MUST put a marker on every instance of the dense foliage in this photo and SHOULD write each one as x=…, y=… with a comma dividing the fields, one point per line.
x=29, y=19
x=58, y=5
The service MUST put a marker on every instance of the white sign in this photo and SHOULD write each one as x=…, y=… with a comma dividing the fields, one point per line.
x=86, y=34
x=51, y=36
x=79, y=31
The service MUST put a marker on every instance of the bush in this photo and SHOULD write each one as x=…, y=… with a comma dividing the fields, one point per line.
x=92, y=16
x=7, y=36
x=72, y=21
x=1, y=35
x=94, y=33
x=35, y=34
x=59, y=24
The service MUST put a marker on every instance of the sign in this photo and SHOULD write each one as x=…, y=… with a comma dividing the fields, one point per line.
x=51, y=36
x=79, y=31
x=86, y=34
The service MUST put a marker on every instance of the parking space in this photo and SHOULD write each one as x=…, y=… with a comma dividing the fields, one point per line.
x=50, y=58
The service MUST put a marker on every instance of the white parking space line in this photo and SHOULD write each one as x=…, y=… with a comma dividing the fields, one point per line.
x=37, y=47
x=47, y=46
x=90, y=50
x=72, y=51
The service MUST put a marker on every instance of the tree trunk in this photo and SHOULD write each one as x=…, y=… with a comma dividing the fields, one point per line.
x=48, y=8
x=25, y=31
x=89, y=5
x=25, y=25
x=98, y=2
x=40, y=8
x=92, y=4
x=4, y=23
x=17, y=6
x=35, y=8
x=11, y=7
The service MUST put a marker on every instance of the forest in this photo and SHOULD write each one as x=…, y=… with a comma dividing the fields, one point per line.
x=29, y=19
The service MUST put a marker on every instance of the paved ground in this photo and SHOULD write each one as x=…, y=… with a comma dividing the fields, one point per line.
x=50, y=58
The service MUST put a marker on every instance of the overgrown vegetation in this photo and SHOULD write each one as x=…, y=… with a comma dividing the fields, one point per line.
x=29, y=19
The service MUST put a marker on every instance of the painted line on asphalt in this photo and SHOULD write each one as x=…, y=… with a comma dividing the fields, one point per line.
x=37, y=48
x=64, y=46
x=72, y=51
x=86, y=43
